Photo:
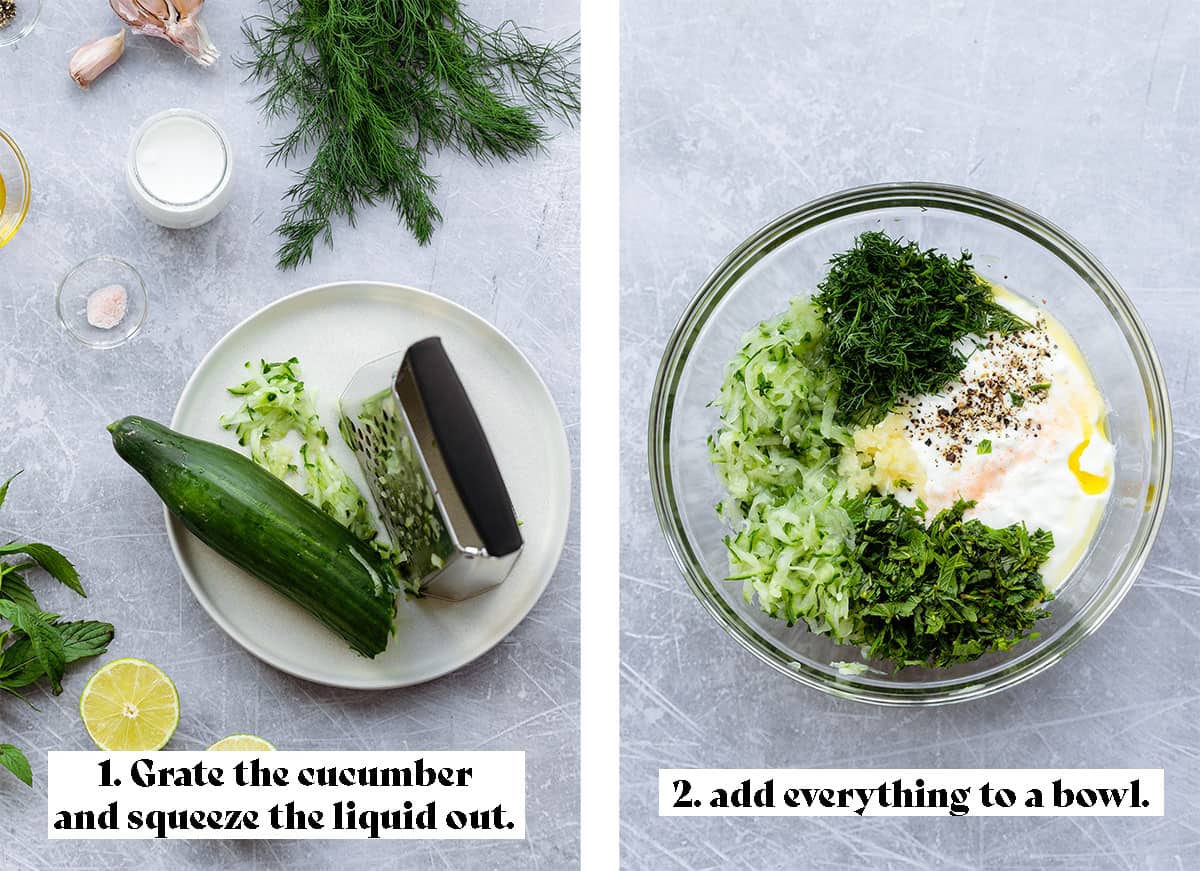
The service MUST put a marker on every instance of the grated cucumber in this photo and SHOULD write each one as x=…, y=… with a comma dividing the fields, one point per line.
x=275, y=405
x=788, y=467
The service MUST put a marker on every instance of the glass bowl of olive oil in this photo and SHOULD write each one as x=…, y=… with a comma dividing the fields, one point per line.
x=15, y=190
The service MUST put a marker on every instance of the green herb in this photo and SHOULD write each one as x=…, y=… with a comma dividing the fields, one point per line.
x=377, y=86
x=1017, y=399
x=763, y=385
x=14, y=760
x=37, y=644
x=945, y=593
x=894, y=314
x=984, y=446
x=1041, y=386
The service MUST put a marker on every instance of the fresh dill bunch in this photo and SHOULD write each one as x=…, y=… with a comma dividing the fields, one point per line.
x=376, y=86
x=894, y=315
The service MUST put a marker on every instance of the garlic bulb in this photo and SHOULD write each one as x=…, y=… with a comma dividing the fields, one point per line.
x=175, y=20
x=93, y=58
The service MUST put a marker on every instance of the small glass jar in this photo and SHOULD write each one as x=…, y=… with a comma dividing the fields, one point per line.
x=24, y=19
x=86, y=278
x=179, y=169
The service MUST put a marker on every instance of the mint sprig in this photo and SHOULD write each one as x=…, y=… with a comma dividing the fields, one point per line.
x=36, y=644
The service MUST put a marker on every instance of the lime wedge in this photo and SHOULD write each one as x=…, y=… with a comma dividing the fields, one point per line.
x=244, y=743
x=130, y=704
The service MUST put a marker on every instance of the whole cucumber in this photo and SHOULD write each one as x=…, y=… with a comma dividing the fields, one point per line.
x=258, y=522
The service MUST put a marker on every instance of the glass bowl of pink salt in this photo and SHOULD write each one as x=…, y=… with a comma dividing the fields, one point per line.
x=102, y=302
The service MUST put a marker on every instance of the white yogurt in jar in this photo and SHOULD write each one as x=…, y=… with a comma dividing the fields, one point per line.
x=179, y=169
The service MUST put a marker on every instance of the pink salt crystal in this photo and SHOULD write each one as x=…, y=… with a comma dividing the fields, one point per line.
x=106, y=307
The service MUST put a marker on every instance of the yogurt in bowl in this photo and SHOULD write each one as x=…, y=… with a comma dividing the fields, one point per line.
x=1021, y=433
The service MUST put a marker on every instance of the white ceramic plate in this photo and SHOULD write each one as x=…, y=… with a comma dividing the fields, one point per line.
x=334, y=329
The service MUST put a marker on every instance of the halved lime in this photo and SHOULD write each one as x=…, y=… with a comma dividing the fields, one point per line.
x=130, y=704
x=244, y=743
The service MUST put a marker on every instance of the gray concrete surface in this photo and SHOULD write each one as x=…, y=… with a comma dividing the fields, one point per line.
x=508, y=250
x=1086, y=112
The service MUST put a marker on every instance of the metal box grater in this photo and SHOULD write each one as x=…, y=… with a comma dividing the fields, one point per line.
x=429, y=466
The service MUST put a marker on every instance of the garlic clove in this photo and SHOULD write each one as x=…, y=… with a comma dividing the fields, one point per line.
x=158, y=8
x=188, y=8
x=190, y=35
x=166, y=20
x=138, y=17
x=93, y=58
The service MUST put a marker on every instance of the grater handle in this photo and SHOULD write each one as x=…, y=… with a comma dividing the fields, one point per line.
x=463, y=446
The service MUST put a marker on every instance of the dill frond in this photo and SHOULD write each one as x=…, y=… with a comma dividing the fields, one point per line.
x=376, y=86
x=894, y=314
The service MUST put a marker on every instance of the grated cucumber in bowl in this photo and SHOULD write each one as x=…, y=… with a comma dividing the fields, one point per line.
x=789, y=467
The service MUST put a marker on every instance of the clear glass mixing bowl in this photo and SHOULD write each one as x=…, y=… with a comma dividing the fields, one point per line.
x=1011, y=246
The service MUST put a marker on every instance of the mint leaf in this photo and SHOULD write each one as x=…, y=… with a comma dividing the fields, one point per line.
x=984, y=446
x=12, y=758
x=84, y=638
x=4, y=488
x=51, y=560
x=14, y=588
x=46, y=642
x=21, y=667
